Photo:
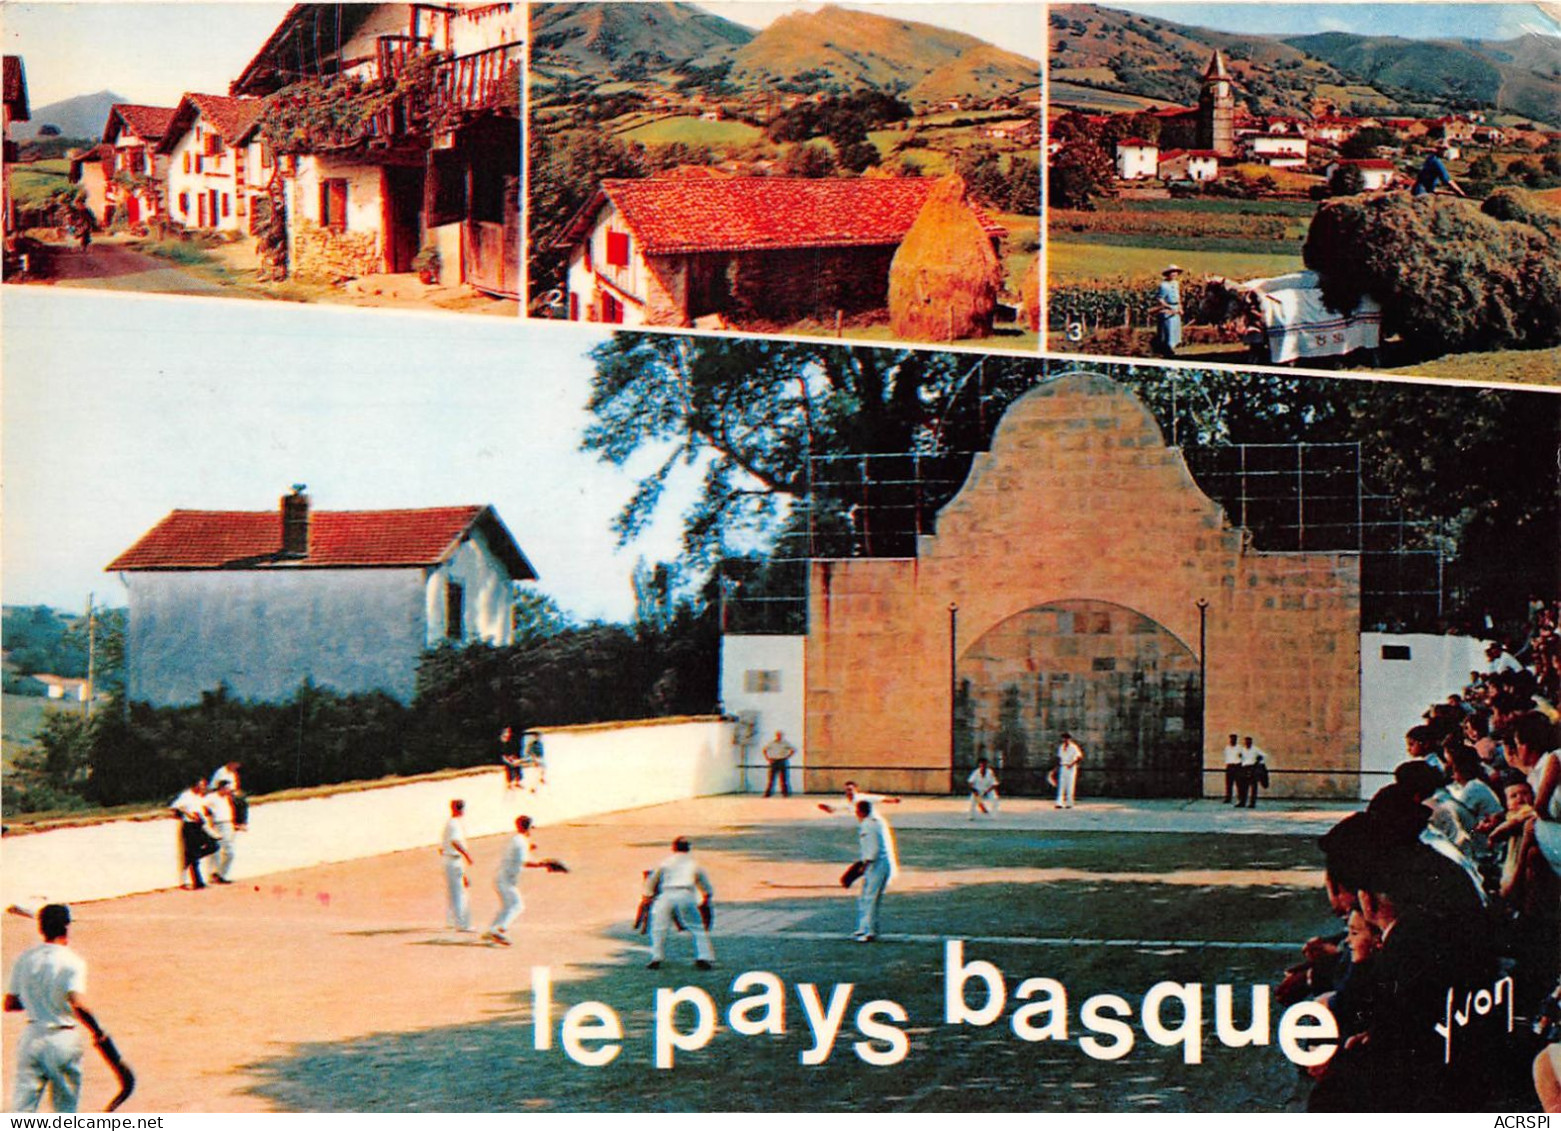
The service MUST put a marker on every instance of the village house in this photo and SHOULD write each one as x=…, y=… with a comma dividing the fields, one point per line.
x=91, y=170
x=135, y=172
x=62, y=687
x=432, y=162
x=1277, y=150
x=1137, y=159
x=1189, y=165
x=15, y=110
x=261, y=601
x=217, y=165
x=668, y=251
x=1375, y=173
x=1332, y=130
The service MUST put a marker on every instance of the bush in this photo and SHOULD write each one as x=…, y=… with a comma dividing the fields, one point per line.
x=1451, y=277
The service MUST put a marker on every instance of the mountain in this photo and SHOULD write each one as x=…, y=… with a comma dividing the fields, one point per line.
x=628, y=41
x=983, y=73
x=82, y=116
x=1522, y=75
x=839, y=49
x=1104, y=49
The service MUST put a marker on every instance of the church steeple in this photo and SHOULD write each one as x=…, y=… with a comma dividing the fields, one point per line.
x=1217, y=108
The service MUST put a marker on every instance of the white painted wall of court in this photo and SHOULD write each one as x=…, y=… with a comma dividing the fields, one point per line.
x=590, y=770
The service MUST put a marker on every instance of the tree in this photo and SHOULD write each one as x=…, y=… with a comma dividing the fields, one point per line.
x=1078, y=174
x=1365, y=142
x=859, y=155
x=750, y=413
x=1347, y=180
x=807, y=160
x=565, y=170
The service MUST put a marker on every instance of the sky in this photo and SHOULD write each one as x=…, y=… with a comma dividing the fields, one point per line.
x=73, y=49
x=1409, y=20
x=118, y=409
x=149, y=53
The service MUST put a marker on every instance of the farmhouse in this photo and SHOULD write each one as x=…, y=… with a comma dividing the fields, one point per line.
x=1278, y=150
x=669, y=250
x=216, y=165
x=350, y=600
x=15, y=110
x=135, y=171
x=1137, y=159
x=1375, y=173
x=1189, y=165
x=397, y=128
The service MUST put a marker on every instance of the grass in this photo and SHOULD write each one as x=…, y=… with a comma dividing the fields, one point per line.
x=21, y=717
x=693, y=131
x=32, y=185
x=1074, y=261
x=1132, y=887
x=1521, y=367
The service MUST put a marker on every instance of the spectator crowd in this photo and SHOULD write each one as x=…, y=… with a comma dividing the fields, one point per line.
x=1444, y=976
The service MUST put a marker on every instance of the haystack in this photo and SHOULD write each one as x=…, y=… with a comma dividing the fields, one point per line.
x=1030, y=294
x=1451, y=276
x=944, y=279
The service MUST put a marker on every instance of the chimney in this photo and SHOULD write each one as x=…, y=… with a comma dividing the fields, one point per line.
x=295, y=523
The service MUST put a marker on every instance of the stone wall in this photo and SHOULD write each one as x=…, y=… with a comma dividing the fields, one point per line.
x=321, y=255
x=1080, y=499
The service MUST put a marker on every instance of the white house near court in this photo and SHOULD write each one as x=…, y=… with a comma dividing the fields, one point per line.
x=350, y=600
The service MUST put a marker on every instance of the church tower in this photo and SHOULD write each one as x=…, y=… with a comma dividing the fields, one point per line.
x=1217, y=109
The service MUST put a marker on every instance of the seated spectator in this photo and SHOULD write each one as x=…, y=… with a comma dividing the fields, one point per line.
x=1420, y=743
x=1473, y=802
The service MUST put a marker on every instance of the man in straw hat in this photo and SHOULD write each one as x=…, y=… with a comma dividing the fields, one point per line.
x=1167, y=310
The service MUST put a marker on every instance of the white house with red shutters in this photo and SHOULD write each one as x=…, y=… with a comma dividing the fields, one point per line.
x=135, y=172
x=677, y=249
x=261, y=601
x=1189, y=165
x=217, y=163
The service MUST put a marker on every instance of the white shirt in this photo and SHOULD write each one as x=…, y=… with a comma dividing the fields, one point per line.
x=42, y=977
x=191, y=805
x=779, y=751
x=1070, y=753
x=220, y=775
x=1249, y=755
x=454, y=834
x=681, y=870
x=219, y=808
x=516, y=853
x=875, y=838
x=982, y=780
x=1233, y=755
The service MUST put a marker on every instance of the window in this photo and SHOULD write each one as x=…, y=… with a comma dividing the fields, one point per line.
x=227, y=204
x=213, y=145
x=186, y=160
x=184, y=201
x=265, y=155
x=200, y=163
x=617, y=249
x=1395, y=652
x=454, y=610
x=333, y=204
x=759, y=681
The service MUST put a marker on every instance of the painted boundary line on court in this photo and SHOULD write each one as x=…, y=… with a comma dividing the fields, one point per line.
x=1025, y=940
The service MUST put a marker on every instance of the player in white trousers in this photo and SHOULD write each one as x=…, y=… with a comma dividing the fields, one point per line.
x=875, y=849
x=452, y=848
x=1069, y=755
x=679, y=886
x=983, y=789
x=47, y=983
x=517, y=856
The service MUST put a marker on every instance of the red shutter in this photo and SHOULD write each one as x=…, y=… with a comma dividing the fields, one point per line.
x=617, y=249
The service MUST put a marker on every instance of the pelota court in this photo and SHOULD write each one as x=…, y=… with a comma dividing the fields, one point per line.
x=336, y=989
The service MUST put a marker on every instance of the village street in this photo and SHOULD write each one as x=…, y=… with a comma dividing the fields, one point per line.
x=108, y=266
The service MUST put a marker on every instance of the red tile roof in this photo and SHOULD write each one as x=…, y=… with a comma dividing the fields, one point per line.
x=683, y=214
x=99, y=152
x=236, y=540
x=15, y=80
x=149, y=123
x=230, y=117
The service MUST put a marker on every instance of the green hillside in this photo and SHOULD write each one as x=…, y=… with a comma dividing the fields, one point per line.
x=984, y=72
